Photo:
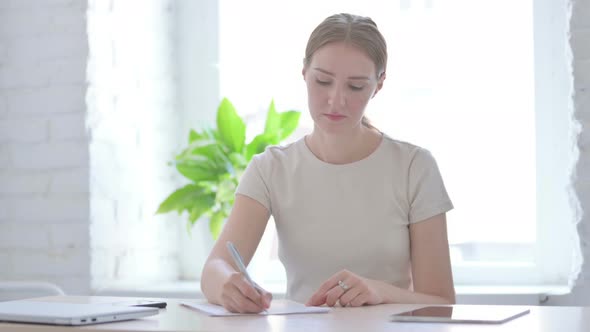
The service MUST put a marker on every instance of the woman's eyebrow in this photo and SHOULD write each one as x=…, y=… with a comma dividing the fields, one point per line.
x=349, y=77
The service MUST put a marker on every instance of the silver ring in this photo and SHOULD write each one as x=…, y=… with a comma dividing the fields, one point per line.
x=344, y=286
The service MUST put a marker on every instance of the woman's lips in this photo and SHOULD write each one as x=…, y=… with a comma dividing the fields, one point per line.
x=335, y=117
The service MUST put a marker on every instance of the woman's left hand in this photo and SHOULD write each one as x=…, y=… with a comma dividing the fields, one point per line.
x=348, y=289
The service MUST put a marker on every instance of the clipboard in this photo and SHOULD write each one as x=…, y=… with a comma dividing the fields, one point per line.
x=470, y=314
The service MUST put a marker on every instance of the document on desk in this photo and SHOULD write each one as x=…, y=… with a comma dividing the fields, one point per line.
x=276, y=308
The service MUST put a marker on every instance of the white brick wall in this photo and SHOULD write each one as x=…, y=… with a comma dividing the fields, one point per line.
x=47, y=101
x=46, y=211
x=24, y=130
x=44, y=187
x=133, y=119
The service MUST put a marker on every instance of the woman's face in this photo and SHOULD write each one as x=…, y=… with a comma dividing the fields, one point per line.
x=340, y=80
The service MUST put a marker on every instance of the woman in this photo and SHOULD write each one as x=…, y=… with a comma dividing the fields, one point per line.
x=360, y=216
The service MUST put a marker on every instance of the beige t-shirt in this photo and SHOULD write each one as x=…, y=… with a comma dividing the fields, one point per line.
x=353, y=216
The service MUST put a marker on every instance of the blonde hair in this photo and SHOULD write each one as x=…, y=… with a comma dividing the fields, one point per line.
x=358, y=31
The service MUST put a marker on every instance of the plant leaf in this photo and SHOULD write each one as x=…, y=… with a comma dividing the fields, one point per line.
x=203, y=135
x=259, y=143
x=200, y=145
x=232, y=129
x=194, y=135
x=186, y=198
x=238, y=160
x=198, y=171
x=289, y=122
x=200, y=207
x=203, y=160
x=225, y=191
x=216, y=223
x=214, y=161
x=273, y=120
x=281, y=124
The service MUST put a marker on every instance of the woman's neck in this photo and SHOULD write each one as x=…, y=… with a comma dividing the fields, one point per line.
x=343, y=148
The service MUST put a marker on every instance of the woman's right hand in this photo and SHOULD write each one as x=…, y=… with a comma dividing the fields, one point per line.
x=239, y=296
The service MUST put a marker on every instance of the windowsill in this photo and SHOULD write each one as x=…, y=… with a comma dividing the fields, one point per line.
x=517, y=295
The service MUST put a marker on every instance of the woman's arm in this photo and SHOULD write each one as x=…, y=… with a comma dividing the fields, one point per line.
x=430, y=260
x=431, y=274
x=432, y=277
x=220, y=282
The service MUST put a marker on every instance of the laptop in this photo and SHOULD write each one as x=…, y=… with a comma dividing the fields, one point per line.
x=56, y=313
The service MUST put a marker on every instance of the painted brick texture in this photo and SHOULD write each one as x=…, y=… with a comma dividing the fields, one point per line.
x=44, y=160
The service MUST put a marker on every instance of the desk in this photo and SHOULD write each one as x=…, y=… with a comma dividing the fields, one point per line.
x=370, y=318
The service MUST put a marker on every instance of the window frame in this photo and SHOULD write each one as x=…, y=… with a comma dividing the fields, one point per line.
x=555, y=207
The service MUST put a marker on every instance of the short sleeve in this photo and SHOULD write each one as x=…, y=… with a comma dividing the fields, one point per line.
x=427, y=193
x=253, y=185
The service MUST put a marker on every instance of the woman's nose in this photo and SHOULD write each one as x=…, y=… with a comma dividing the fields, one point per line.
x=337, y=97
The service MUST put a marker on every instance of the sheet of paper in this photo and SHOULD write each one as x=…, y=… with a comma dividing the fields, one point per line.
x=276, y=308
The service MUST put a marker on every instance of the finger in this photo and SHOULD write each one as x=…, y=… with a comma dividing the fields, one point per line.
x=348, y=296
x=237, y=290
x=265, y=295
x=246, y=306
x=229, y=303
x=266, y=299
x=360, y=300
x=333, y=295
x=351, y=289
x=332, y=281
x=319, y=297
x=241, y=303
x=337, y=291
x=230, y=291
x=250, y=292
x=236, y=306
x=229, y=306
x=316, y=299
x=235, y=295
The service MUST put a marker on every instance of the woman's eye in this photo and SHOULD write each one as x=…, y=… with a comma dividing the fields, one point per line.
x=356, y=88
x=320, y=82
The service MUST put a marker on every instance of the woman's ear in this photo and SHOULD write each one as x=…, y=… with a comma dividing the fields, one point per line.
x=379, y=83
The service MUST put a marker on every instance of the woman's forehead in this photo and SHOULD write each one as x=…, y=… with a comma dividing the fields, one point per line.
x=342, y=59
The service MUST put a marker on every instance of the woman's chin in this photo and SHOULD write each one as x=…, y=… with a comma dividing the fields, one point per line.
x=336, y=128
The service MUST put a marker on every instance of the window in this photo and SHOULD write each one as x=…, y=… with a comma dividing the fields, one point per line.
x=461, y=83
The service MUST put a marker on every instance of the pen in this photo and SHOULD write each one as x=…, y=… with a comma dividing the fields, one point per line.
x=240, y=263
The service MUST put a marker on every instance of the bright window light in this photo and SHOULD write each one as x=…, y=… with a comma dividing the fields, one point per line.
x=460, y=82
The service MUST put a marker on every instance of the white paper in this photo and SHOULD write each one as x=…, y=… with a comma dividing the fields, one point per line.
x=282, y=307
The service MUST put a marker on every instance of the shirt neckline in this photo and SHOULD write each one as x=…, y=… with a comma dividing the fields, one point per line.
x=310, y=155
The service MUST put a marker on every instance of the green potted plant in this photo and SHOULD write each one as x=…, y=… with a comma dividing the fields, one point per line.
x=214, y=161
